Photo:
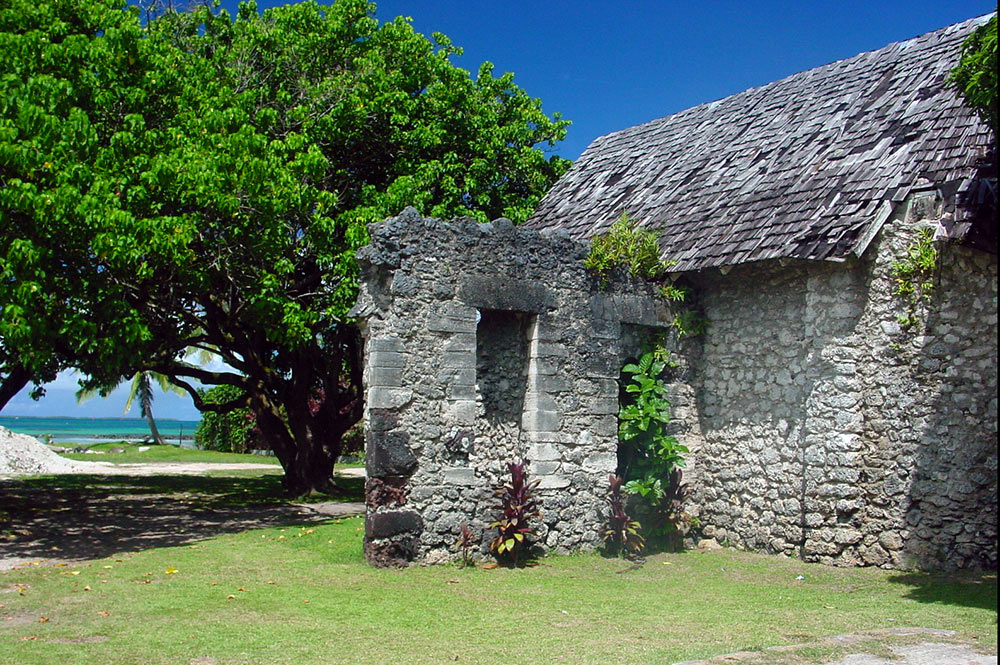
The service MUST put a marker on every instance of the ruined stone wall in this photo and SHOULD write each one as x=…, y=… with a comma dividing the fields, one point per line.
x=487, y=344
x=826, y=430
x=818, y=426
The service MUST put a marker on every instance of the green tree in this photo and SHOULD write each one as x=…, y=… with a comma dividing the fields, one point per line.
x=228, y=170
x=975, y=76
x=226, y=432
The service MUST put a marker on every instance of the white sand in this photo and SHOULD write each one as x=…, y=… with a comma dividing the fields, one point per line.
x=21, y=454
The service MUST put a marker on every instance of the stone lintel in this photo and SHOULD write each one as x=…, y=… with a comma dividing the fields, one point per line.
x=508, y=293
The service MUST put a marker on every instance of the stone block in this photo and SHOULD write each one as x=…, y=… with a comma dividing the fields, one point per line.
x=538, y=468
x=382, y=420
x=548, y=383
x=541, y=349
x=540, y=421
x=386, y=359
x=458, y=360
x=601, y=462
x=462, y=392
x=451, y=324
x=460, y=412
x=462, y=342
x=390, y=344
x=547, y=437
x=553, y=482
x=604, y=406
x=388, y=454
x=464, y=376
x=382, y=397
x=392, y=523
x=537, y=401
x=543, y=452
x=391, y=377
x=464, y=476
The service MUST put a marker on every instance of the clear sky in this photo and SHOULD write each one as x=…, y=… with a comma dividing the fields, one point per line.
x=606, y=66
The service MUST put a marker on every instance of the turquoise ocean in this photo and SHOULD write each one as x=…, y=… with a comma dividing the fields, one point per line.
x=96, y=430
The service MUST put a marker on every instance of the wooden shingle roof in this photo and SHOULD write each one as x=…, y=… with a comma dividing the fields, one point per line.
x=801, y=167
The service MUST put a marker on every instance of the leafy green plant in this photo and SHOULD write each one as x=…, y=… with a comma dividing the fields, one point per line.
x=229, y=432
x=626, y=246
x=650, y=458
x=518, y=507
x=623, y=534
x=975, y=76
x=913, y=275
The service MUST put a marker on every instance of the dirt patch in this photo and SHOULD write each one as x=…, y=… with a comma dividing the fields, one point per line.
x=895, y=646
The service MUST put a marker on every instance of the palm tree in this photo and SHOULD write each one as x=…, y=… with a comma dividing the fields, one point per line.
x=142, y=388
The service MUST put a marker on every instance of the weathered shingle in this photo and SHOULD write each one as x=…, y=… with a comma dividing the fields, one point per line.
x=796, y=168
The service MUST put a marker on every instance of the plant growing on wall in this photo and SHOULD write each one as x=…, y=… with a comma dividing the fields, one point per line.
x=914, y=276
x=650, y=459
x=637, y=251
x=518, y=508
x=623, y=534
x=626, y=246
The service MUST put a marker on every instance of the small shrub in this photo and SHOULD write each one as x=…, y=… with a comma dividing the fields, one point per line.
x=625, y=246
x=518, y=507
x=623, y=534
x=465, y=541
x=230, y=432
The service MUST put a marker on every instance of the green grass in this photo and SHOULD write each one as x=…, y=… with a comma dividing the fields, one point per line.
x=303, y=594
x=121, y=452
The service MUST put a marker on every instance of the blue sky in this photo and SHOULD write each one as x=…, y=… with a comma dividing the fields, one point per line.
x=610, y=65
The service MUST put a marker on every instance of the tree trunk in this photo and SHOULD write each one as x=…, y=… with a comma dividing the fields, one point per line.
x=16, y=379
x=152, y=427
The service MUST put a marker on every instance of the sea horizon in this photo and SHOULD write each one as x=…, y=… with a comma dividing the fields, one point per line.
x=86, y=429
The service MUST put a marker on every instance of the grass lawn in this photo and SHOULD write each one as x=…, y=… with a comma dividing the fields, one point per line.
x=303, y=594
x=122, y=452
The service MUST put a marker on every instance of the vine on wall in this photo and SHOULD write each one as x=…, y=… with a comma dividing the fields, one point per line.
x=914, y=276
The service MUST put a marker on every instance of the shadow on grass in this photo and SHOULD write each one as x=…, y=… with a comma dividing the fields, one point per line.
x=75, y=517
x=965, y=589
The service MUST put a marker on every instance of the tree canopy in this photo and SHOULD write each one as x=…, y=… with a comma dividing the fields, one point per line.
x=202, y=181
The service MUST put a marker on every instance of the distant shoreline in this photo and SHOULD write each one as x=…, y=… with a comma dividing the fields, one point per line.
x=67, y=429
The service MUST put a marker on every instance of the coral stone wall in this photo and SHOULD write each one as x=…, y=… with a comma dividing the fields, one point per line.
x=487, y=344
x=818, y=426
x=825, y=429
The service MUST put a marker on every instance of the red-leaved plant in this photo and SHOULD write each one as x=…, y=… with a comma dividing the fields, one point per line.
x=518, y=506
x=623, y=533
x=465, y=541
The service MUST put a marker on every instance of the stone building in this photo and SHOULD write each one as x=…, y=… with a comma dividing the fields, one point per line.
x=828, y=416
